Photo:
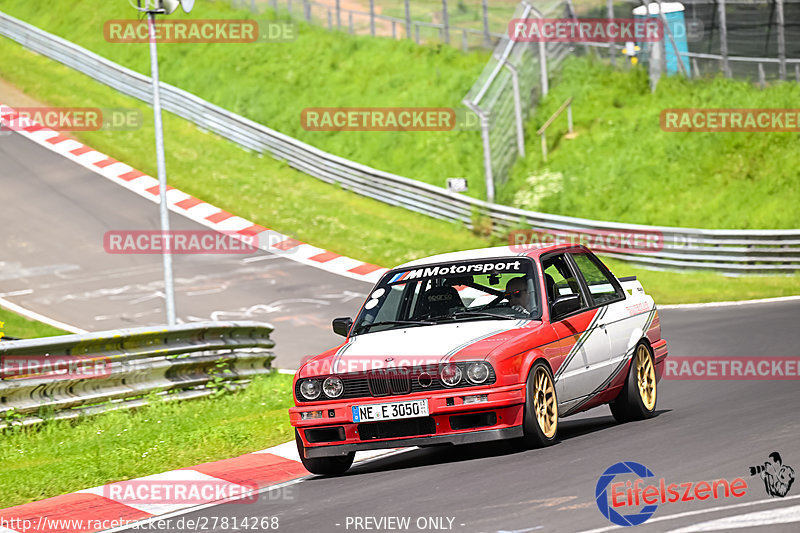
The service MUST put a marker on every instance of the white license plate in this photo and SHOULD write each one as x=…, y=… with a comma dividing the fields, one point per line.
x=390, y=411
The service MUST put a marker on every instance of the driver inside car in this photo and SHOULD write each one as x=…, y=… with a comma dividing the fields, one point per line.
x=518, y=296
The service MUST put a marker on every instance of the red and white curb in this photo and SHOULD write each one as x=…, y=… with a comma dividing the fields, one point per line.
x=105, y=508
x=191, y=207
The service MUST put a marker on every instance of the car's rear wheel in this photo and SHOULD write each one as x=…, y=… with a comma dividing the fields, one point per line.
x=324, y=466
x=637, y=399
x=540, y=421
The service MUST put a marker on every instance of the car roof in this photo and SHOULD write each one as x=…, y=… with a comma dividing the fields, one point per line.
x=530, y=250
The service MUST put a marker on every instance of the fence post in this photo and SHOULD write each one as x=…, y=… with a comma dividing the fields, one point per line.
x=350, y=21
x=668, y=32
x=696, y=68
x=612, y=49
x=372, y=17
x=416, y=33
x=338, y=15
x=307, y=10
x=797, y=73
x=723, y=40
x=330, y=19
x=252, y=6
x=464, y=44
x=781, y=41
x=762, y=81
x=446, y=23
x=408, y=20
x=543, y=68
x=487, y=149
x=487, y=38
x=654, y=61
x=275, y=6
x=517, y=108
x=289, y=7
x=543, y=137
x=569, y=117
x=394, y=29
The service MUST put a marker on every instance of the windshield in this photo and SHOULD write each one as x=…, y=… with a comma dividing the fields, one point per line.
x=488, y=289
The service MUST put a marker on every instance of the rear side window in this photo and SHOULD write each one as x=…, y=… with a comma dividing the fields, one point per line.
x=601, y=286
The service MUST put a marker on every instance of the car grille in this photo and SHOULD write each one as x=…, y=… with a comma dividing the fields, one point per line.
x=397, y=428
x=393, y=381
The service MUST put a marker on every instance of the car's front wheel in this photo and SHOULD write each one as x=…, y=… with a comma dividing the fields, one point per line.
x=540, y=420
x=324, y=466
x=637, y=399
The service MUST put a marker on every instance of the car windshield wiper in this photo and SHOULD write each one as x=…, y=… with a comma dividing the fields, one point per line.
x=480, y=314
x=365, y=327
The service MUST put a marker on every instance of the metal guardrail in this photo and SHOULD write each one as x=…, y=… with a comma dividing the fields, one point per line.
x=730, y=251
x=125, y=367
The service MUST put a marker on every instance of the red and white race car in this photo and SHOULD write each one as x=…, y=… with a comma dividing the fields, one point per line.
x=480, y=345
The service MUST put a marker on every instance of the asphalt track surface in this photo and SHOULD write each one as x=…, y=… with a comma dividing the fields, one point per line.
x=54, y=216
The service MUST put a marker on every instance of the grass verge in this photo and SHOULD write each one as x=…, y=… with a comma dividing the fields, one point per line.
x=59, y=457
x=14, y=325
x=619, y=165
x=273, y=82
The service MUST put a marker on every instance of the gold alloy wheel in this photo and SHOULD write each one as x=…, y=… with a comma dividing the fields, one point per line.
x=645, y=377
x=544, y=402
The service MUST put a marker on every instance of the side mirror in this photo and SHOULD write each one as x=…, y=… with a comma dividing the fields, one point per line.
x=565, y=305
x=342, y=325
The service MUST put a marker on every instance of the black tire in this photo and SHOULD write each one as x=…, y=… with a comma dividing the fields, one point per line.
x=535, y=435
x=324, y=466
x=632, y=403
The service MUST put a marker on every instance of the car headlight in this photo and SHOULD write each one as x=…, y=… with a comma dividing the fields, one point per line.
x=450, y=375
x=310, y=389
x=478, y=372
x=333, y=387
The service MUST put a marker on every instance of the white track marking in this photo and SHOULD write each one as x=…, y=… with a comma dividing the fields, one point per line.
x=33, y=315
x=786, y=515
x=695, y=513
x=731, y=304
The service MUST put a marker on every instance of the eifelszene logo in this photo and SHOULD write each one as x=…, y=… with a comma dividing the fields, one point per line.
x=631, y=494
x=778, y=477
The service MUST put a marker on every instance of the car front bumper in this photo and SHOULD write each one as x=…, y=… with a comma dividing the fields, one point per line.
x=499, y=417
